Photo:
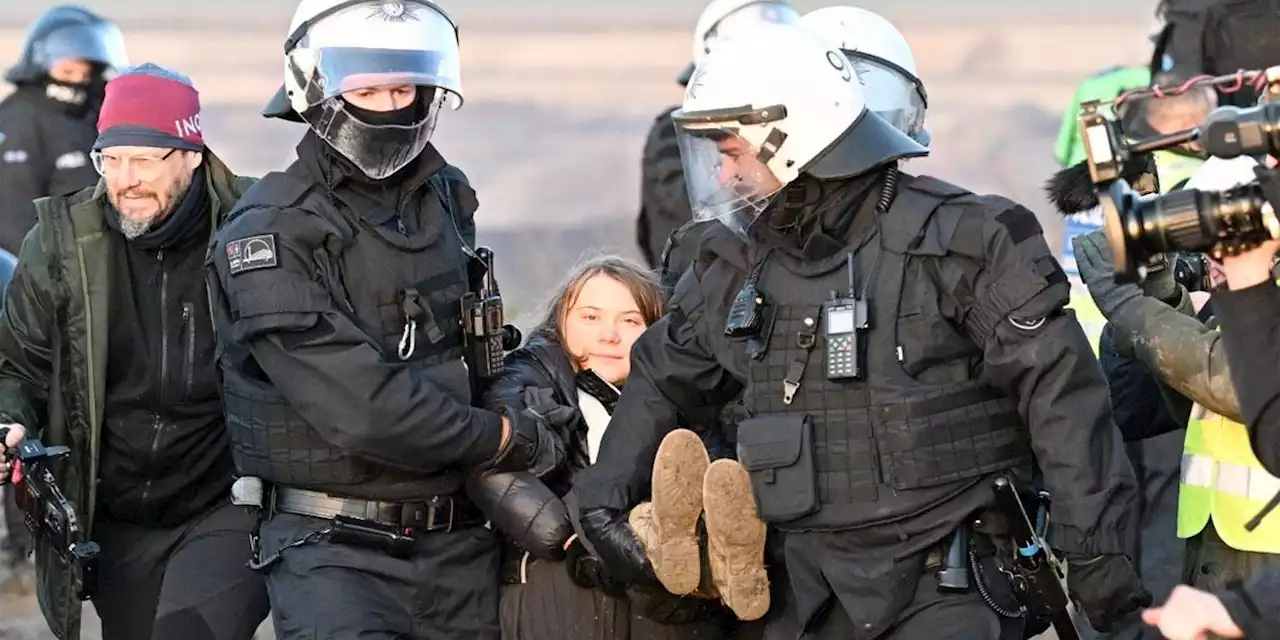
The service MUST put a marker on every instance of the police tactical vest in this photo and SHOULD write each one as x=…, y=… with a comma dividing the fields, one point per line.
x=404, y=291
x=919, y=428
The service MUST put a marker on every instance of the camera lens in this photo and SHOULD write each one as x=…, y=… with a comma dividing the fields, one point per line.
x=1169, y=223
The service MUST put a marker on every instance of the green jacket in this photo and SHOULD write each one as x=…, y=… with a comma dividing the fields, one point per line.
x=53, y=353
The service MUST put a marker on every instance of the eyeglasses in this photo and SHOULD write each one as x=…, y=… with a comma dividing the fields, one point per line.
x=144, y=168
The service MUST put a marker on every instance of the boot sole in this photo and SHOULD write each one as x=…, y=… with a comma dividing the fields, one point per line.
x=734, y=530
x=678, y=471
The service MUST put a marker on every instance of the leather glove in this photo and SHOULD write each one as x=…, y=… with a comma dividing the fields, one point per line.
x=1106, y=588
x=588, y=572
x=531, y=446
x=522, y=507
x=541, y=402
x=617, y=546
x=1098, y=271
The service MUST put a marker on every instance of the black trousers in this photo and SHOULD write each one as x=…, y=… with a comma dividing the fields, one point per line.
x=448, y=590
x=185, y=583
x=549, y=606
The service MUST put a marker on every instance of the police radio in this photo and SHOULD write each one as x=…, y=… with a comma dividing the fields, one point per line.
x=844, y=319
x=486, y=336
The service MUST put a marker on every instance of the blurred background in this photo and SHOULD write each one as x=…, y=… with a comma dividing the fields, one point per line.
x=560, y=93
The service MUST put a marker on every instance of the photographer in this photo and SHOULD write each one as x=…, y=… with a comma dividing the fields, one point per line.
x=1247, y=307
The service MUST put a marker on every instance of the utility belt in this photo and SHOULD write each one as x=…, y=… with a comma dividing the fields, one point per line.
x=390, y=527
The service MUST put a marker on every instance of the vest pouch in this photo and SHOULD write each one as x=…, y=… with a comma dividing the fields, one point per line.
x=777, y=452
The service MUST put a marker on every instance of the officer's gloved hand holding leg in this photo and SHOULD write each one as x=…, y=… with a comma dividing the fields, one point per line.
x=527, y=445
x=1106, y=587
x=617, y=546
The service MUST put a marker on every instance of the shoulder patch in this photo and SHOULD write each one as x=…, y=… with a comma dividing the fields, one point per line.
x=253, y=252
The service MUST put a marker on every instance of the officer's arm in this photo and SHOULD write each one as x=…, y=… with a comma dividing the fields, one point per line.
x=1180, y=350
x=673, y=373
x=324, y=366
x=26, y=338
x=23, y=179
x=1037, y=353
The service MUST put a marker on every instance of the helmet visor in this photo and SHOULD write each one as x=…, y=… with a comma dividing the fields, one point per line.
x=727, y=176
x=366, y=46
x=99, y=42
x=891, y=94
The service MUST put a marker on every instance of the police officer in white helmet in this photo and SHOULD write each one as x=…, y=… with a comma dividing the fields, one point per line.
x=664, y=209
x=338, y=289
x=900, y=343
x=883, y=61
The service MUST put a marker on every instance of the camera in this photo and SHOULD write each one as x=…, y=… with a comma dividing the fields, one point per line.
x=1221, y=223
x=50, y=516
x=486, y=335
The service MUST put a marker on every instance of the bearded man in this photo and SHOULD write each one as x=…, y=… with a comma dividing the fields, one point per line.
x=107, y=346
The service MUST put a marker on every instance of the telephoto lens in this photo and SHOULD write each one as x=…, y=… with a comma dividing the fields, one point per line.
x=1220, y=223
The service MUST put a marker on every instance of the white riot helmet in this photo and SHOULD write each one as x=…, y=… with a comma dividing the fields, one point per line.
x=883, y=61
x=337, y=46
x=723, y=18
x=763, y=108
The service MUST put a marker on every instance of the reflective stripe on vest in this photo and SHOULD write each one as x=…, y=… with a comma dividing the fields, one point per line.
x=1223, y=481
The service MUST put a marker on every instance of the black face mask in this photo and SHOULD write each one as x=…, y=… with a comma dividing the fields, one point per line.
x=404, y=117
x=77, y=99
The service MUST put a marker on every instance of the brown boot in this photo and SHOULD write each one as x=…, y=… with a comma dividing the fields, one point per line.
x=678, y=471
x=735, y=540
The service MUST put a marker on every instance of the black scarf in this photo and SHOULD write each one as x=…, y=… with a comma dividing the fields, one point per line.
x=188, y=223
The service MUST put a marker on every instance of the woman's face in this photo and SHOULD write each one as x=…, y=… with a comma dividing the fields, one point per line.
x=601, y=326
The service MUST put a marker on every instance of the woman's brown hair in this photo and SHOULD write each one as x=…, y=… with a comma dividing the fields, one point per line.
x=642, y=283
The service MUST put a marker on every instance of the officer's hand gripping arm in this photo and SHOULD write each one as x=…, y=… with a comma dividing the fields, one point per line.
x=325, y=368
x=26, y=339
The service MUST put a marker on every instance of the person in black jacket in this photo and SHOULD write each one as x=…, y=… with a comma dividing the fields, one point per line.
x=570, y=371
x=50, y=121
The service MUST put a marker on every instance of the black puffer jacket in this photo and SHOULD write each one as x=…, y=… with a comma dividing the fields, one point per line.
x=528, y=509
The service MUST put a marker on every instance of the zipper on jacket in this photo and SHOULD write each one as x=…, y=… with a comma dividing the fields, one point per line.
x=188, y=365
x=157, y=426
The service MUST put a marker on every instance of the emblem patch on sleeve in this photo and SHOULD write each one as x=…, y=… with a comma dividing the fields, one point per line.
x=254, y=252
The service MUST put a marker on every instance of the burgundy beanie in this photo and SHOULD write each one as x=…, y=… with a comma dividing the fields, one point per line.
x=150, y=106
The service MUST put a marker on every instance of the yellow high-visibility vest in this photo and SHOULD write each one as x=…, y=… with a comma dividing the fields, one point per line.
x=1222, y=480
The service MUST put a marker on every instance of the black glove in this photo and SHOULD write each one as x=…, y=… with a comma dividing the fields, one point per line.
x=617, y=546
x=541, y=402
x=1106, y=588
x=531, y=446
x=588, y=572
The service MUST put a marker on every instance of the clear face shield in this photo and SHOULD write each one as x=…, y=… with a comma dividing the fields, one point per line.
x=891, y=92
x=727, y=174
x=100, y=43
x=751, y=16
x=419, y=49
